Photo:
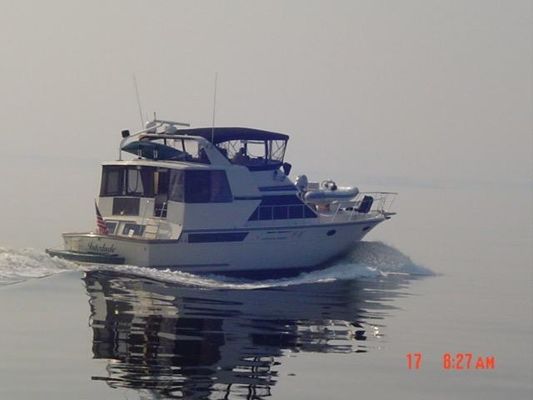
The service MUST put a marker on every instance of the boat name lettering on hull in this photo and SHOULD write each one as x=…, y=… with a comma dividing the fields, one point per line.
x=101, y=248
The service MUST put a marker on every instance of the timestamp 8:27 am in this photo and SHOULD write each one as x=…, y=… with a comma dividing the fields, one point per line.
x=455, y=361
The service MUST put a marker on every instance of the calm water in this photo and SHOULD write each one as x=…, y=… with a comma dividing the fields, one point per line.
x=458, y=279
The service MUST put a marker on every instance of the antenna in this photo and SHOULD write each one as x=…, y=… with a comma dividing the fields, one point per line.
x=138, y=100
x=214, y=108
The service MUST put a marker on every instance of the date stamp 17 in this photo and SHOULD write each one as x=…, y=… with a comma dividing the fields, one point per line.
x=455, y=361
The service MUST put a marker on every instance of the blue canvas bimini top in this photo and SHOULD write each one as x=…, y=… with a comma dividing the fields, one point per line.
x=220, y=135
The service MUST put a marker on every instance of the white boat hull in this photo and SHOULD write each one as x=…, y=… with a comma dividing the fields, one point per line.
x=262, y=249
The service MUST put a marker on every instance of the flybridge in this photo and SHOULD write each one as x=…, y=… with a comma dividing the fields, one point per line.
x=212, y=134
x=253, y=148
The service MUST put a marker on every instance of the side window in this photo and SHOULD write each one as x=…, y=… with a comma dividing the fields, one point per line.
x=207, y=187
x=197, y=187
x=220, y=190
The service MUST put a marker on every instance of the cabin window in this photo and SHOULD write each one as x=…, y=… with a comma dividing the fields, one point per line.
x=220, y=189
x=176, y=185
x=126, y=206
x=192, y=186
x=140, y=182
x=111, y=226
x=197, y=187
x=127, y=181
x=281, y=207
x=295, y=212
x=207, y=187
x=161, y=184
x=112, y=181
x=281, y=212
x=133, y=229
x=161, y=181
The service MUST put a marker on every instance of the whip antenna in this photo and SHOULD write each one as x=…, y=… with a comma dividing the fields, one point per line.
x=138, y=101
x=214, y=109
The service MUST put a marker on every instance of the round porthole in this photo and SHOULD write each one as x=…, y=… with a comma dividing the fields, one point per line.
x=331, y=232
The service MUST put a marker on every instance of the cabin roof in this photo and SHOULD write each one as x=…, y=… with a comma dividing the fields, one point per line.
x=218, y=135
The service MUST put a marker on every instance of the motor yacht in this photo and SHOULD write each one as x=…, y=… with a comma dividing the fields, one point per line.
x=218, y=200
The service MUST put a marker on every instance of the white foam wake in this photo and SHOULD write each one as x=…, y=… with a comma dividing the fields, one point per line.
x=23, y=264
x=386, y=259
x=337, y=272
x=367, y=260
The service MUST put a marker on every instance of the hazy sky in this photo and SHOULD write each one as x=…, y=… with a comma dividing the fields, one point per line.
x=396, y=91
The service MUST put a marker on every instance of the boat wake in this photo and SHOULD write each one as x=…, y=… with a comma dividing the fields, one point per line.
x=367, y=260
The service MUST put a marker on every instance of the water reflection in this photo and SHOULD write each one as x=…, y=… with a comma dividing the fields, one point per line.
x=182, y=342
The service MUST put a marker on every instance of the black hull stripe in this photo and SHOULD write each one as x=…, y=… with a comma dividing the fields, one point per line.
x=271, y=228
x=217, y=237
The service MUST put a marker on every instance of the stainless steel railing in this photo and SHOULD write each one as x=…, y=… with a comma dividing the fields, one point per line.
x=350, y=210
